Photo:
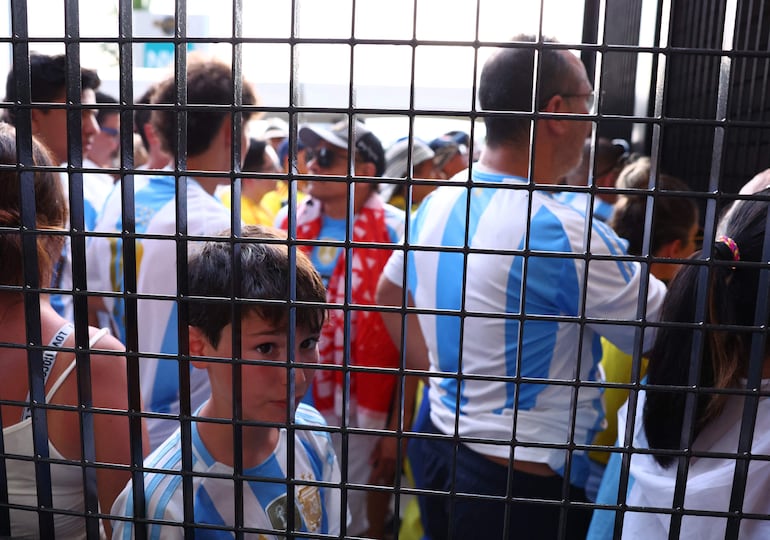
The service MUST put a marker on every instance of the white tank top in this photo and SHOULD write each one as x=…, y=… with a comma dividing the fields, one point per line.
x=66, y=480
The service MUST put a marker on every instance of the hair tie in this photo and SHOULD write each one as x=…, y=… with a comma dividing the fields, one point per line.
x=730, y=243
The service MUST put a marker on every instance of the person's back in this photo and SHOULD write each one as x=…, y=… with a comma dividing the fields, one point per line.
x=208, y=148
x=524, y=299
x=62, y=424
x=268, y=351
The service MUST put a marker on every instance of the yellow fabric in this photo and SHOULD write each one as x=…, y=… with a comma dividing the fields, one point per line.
x=251, y=213
x=274, y=200
x=411, y=525
x=616, y=366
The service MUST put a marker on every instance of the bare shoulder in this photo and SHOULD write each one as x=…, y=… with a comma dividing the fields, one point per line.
x=105, y=341
x=108, y=370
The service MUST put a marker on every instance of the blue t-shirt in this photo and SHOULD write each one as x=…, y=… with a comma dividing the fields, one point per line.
x=324, y=258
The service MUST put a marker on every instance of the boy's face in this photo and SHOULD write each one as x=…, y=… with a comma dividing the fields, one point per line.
x=263, y=387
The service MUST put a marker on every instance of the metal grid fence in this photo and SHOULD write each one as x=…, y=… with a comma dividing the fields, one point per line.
x=691, y=94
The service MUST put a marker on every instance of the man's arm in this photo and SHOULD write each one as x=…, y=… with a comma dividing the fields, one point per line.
x=416, y=352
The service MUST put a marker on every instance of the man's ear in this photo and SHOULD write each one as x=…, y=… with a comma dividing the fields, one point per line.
x=555, y=126
x=199, y=346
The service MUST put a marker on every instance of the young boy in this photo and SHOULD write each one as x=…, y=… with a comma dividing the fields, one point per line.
x=268, y=395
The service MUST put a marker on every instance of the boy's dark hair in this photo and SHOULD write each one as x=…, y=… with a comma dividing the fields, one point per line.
x=731, y=294
x=101, y=114
x=265, y=274
x=507, y=83
x=674, y=215
x=48, y=81
x=209, y=82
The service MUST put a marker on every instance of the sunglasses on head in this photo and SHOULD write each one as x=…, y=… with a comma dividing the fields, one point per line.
x=324, y=157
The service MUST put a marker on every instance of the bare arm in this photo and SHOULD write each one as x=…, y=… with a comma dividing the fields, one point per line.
x=416, y=352
x=112, y=438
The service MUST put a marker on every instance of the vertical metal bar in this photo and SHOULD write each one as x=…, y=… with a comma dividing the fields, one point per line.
x=78, y=246
x=21, y=72
x=347, y=253
x=236, y=125
x=181, y=111
x=128, y=222
x=5, y=512
x=591, y=22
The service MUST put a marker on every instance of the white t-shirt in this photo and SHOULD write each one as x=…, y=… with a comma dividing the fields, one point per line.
x=709, y=480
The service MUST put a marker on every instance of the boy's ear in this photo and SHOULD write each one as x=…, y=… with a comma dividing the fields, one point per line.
x=198, y=346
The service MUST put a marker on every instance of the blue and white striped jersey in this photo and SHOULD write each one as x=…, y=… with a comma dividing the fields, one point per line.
x=579, y=201
x=157, y=318
x=105, y=255
x=265, y=500
x=553, y=288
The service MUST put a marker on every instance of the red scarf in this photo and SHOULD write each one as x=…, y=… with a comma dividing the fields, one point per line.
x=370, y=344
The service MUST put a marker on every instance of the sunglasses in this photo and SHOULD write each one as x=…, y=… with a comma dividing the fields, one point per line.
x=324, y=157
x=112, y=132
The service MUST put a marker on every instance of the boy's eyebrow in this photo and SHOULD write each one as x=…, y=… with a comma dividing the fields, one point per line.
x=266, y=333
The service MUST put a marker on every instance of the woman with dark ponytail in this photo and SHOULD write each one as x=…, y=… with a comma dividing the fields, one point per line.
x=702, y=352
x=62, y=407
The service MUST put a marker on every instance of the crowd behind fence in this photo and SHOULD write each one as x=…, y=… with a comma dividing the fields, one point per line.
x=220, y=318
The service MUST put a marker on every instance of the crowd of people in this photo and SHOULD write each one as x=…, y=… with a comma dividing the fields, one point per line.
x=288, y=328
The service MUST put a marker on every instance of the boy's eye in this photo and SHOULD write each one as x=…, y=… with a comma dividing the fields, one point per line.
x=309, y=343
x=265, y=348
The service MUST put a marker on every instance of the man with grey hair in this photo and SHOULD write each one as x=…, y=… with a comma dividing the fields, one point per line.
x=518, y=328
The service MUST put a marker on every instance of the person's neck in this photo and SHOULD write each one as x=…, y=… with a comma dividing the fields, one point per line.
x=257, y=442
x=338, y=208
x=158, y=160
x=512, y=159
x=208, y=162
